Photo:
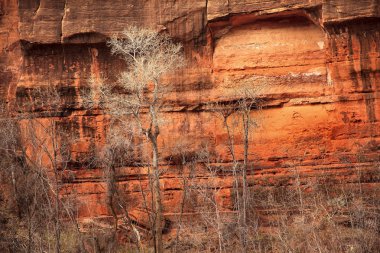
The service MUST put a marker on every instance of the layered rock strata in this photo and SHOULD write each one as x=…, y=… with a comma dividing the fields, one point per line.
x=319, y=61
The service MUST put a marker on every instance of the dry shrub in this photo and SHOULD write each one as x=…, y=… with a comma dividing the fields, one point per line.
x=317, y=215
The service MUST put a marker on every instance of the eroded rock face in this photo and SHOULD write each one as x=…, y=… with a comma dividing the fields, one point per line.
x=319, y=59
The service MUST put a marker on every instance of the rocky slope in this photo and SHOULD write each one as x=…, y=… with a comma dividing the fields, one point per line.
x=319, y=59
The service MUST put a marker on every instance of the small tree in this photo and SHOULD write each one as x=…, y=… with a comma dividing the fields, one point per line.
x=237, y=118
x=47, y=145
x=136, y=99
x=114, y=154
x=36, y=148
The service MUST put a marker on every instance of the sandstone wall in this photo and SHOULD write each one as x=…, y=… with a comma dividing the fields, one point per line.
x=320, y=59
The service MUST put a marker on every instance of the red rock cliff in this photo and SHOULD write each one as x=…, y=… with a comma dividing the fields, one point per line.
x=320, y=59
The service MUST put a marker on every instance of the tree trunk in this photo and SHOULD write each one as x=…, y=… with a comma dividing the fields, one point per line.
x=111, y=191
x=244, y=181
x=184, y=183
x=157, y=198
x=57, y=211
x=235, y=164
x=29, y=232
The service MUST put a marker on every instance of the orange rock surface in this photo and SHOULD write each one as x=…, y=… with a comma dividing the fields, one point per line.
x=320, y=61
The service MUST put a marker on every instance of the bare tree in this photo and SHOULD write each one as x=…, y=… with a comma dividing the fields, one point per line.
x=137, y=98
x=249, y=100
x=236, y=114
x=214, y=230
x=116, y=153
x=48, y=147
x=39, y=148
x=186, y=162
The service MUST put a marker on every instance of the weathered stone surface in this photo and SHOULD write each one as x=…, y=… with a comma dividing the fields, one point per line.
x=343, y=10
x=217, y=9
x=50, y=21
x=10, y=53
x=319, y=59
x=41, y=19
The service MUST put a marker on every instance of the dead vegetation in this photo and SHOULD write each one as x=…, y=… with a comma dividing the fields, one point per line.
x=36, y=215
x=312, y=217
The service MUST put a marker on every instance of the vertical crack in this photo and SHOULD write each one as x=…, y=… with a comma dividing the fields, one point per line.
x=38, y=8
x=206, y=11
x=63, y=17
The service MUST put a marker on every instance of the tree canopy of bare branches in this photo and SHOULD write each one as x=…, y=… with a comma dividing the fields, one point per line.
x=135, y=101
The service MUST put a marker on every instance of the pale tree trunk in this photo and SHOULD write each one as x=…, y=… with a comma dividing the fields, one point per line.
x=57, y=188
x=244, y=181
x=54, y=161
x=219, y=225
x=157, y=198
x=57, y=221
x=153, y=133
x=182, y=208
x=240, y=178
x=235, y=165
